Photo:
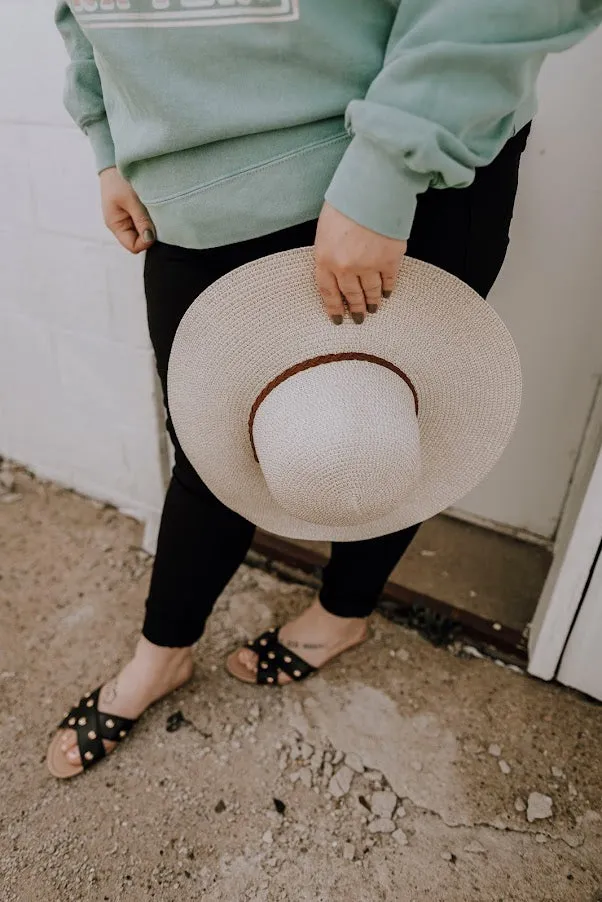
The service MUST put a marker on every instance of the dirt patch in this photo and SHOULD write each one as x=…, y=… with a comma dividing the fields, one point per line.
x=400, y=772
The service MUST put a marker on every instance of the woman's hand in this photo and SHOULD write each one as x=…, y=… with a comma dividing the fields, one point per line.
x=354, y=264
x=124, y=214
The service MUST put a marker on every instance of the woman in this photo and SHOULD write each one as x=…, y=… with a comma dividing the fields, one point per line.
x=224, y=132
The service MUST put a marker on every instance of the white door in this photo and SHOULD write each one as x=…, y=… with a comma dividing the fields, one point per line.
x=566, y=633
x=549, y=295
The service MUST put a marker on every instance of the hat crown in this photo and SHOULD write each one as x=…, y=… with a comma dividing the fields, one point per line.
x=339, y=444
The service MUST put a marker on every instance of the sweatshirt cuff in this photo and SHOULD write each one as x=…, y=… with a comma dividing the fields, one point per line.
x=376, y=190
x=99, y=134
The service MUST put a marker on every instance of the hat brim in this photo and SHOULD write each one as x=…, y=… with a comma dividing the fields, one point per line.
x=259, y=320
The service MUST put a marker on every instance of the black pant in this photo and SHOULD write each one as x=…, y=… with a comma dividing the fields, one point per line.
x=201, y=542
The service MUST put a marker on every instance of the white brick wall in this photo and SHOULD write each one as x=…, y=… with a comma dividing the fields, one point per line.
x=77, y=387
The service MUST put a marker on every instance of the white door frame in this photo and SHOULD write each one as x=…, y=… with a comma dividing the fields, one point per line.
x=577, y=545
x=581, y=662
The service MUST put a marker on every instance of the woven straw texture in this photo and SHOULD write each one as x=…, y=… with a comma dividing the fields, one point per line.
x=342, y=456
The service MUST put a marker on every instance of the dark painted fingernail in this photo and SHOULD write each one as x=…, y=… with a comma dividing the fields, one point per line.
x=148, y=235
x=358, y=318
x=337, y=319
x=387, y=294
x=372, y=308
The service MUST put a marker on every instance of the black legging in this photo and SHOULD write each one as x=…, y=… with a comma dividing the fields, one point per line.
x=201, y=542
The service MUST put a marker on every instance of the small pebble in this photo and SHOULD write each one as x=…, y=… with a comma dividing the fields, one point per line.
x=340, y=784
x=267, y=837
x=354, y=762
x=383, y=804
x=497, y=627
x=306, y=751
x=348, y=851
x=305, y=776
x=316, y=761
x=475, y=847
x=403, y=655
x=400, y=837
x=448, y=856
x=504, y=766
x=519, y=805
x=574, y=840
x=557, y=772
x=539, y=807
x=495, y=750
x=541, y=837
x=338, y=757
x=381, y=825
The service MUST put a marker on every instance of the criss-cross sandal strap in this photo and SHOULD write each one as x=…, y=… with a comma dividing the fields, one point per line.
x=274, y=658
x=92, y=726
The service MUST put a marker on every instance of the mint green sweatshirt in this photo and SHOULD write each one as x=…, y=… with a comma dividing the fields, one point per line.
x=236, y=118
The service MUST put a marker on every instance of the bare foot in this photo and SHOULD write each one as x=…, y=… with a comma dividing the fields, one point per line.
x=316, y=637
x=152, y=673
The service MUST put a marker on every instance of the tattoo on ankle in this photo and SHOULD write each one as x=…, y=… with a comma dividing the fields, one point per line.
x=110, y=692
x=310, y=646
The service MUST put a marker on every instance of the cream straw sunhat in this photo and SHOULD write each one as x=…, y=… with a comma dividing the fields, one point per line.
x=341, y=433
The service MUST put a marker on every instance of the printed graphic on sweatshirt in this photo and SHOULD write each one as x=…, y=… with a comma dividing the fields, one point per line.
x=182, y=13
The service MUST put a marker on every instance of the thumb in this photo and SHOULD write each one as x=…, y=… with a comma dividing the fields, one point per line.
x=143, y=224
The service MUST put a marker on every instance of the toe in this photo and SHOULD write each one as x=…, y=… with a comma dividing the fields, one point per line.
x=73, y=756
x=70, y=748
x=69, y=740
x=248, y=659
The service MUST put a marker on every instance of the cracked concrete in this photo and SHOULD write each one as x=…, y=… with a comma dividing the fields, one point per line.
x=203, y=802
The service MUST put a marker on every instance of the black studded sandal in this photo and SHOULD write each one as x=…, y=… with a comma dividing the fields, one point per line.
x=275, y=658
x=91, y=726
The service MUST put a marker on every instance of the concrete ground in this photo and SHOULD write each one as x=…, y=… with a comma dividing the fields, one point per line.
x=403, y=772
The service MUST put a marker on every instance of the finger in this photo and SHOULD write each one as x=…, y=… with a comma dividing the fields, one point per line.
x=351, y=289
x=142, y=244
x=329, y=289
x=390, y=276
x=142, y=223
x=126, y=234
x=373, y=290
